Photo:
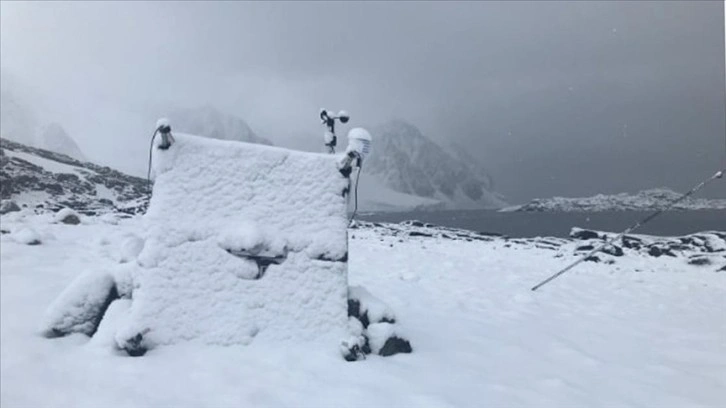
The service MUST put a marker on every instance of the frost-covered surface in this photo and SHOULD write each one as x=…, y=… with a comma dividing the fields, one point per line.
x=47, y=181
x=642, y=332
x=653, y=199
x=217, y=208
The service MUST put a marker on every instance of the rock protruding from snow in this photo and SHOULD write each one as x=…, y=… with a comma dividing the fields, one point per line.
x=708, y=244
x=372, y=327
x=385, y=340
x=647, y=200
x=367, y=308
x=8, y=206
x=67, y=216
x=81, y=306
x=242, y=243
x=27, y=236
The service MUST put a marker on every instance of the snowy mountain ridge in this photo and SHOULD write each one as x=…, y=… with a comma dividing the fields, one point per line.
x=646, y=200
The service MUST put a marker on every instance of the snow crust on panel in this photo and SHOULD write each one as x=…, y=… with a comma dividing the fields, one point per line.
x=232, y=185
x=212, y=199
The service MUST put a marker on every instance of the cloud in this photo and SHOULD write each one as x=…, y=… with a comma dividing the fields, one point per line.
x=535, y=89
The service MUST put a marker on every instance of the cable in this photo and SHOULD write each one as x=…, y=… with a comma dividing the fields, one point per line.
x=718, y=175
x=151, y=149
x=355, y=209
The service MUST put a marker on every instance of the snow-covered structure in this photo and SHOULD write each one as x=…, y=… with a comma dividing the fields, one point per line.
x=241, y=242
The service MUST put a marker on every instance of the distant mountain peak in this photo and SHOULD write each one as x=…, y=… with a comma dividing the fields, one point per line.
x=408, y=162
x=209, y=121
x=19, y=122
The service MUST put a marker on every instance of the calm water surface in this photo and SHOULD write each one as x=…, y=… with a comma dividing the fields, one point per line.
x=558, y=224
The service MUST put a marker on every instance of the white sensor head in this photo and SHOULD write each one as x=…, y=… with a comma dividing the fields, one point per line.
x=359, y=141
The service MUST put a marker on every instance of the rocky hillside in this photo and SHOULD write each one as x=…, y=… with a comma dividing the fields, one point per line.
x=647, y=200
x=43, y=180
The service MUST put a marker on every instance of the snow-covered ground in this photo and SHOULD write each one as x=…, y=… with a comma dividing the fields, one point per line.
x=646, y=200
x=642, y=332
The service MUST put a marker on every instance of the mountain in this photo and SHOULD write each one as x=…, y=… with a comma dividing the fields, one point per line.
x=19, y=122
x=53, y=137
x=44, y=180
x=646, y=200
x=408, y=162
x=210, y=122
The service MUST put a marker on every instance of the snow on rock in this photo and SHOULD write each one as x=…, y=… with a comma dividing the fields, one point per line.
x=67, y=216
x=27, y=236
x=372, y=327
x=243, y=243
x=8, y=206
x=81, y=306
x=367, y=308
x=385, y=340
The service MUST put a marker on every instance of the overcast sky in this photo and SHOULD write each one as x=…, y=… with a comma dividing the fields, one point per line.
x=560, y=98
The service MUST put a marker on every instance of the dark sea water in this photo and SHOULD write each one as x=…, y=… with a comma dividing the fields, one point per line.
x=558, y=224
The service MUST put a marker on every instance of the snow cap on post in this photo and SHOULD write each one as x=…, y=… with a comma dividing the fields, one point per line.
x=163, y=123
